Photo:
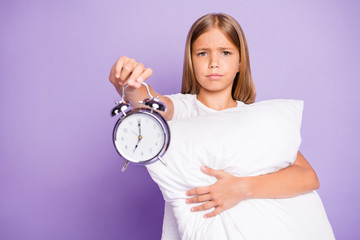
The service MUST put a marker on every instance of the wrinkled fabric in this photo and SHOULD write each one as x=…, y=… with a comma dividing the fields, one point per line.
x=255, y=139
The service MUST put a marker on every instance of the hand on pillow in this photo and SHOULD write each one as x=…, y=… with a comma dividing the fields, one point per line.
x=224, y=194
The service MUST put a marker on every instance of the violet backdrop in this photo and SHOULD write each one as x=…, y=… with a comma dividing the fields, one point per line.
x=59, y=173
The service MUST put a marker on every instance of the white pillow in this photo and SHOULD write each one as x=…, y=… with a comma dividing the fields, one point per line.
x=256, y=139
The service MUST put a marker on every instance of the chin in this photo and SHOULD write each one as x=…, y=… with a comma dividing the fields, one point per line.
x=215, y=87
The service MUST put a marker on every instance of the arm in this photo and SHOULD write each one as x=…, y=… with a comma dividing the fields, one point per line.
x=297, y=179
x=229, y=190
x=128, y=71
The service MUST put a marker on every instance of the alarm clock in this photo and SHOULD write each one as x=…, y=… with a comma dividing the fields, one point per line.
x=140, y=135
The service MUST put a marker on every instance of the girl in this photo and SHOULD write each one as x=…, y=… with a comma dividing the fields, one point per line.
x=217, y=76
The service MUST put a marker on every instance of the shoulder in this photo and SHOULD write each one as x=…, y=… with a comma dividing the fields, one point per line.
x=180, y=97
x=184, y=105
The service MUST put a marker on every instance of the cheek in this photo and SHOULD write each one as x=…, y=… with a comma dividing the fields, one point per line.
x=234, y=66
x=197, y=68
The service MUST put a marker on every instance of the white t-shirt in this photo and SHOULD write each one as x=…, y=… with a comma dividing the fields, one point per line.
x=185, y=106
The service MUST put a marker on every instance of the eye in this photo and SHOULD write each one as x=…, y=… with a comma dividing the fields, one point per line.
x=202, y=54
x=226, y=53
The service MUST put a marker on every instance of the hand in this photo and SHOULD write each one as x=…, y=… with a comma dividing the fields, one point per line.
x=227, y=192
x=128, y=71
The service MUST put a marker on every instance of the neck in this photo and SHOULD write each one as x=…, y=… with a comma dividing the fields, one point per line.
x=216, y=101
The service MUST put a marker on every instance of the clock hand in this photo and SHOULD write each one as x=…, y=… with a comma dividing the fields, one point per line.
x=140, y=137
x=137, y=144
x=139, y=127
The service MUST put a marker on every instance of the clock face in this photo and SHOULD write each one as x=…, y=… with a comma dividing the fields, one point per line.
x=139, y=137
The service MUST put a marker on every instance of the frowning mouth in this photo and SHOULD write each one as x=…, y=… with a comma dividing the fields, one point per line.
x=214, y=76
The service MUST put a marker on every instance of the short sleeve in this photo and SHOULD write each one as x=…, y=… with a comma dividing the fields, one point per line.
x=184, y=105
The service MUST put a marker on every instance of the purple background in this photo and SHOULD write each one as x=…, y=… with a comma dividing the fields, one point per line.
x=59, y=173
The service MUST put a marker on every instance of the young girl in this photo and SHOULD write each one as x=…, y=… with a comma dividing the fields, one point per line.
x=216, y=76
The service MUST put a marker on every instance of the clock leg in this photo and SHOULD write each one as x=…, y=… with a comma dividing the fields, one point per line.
x=162, y=160
x=125, y=166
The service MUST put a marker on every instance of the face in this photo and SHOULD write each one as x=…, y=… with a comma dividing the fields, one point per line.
x=216, y=61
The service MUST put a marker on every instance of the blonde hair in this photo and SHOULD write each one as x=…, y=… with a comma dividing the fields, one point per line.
x=243, y=88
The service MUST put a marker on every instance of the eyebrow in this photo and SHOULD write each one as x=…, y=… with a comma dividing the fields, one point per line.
x=220, y=48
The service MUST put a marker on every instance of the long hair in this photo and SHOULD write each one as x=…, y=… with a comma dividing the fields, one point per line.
x=243, y=88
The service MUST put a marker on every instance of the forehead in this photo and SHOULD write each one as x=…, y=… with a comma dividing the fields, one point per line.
x=214, y=38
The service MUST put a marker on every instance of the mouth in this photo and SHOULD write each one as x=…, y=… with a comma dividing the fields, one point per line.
x=214, y=76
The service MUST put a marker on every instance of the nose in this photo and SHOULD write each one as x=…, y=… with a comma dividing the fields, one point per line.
x=214, y=63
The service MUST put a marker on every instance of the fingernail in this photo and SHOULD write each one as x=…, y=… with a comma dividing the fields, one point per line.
x=206, y=216
x=187, y=193
x=203, y=168
x=131, y=81
x=192, y=209
x=187, y=201
x=117, y=75
x=137, y=85
x=140, y=79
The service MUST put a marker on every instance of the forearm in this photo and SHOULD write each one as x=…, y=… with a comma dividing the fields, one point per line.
x=294, y=180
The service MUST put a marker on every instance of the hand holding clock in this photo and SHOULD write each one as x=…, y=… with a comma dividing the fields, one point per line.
x=127, y=71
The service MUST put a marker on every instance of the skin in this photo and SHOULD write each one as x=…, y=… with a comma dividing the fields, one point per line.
x=216, y=61
x=213, y=53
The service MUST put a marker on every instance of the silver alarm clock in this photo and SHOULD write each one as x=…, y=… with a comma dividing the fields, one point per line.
x=141, y=135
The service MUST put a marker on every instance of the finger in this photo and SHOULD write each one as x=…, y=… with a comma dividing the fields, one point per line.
x=145, y=75
x=199, y=199
x=198, y=191
x=217, y=211
x=118, y=66
x=127, y=69
x=116, y=69
x=212, y=172
x=204, y=206
x=137, y=71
